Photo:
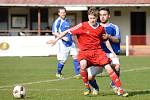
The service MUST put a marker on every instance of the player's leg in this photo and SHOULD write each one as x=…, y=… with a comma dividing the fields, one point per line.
x=115, y=79
x=102, y=59
x=76, y=68
x=115, y=63
x=113, y=75
x=92, y=72
x=84, y=75
x=60, y=66
x=61, y=57
x=116, y=67
x=76, y=65
x=74, y=53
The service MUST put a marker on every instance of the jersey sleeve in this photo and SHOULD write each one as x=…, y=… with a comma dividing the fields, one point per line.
x=56, y=25
x=117, y=31
x=76, y=29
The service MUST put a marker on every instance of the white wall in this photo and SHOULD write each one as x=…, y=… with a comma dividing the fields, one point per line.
x=123, y=21
x=27, y=46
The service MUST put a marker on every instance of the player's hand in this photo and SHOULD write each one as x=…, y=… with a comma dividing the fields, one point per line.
x=105, y=36
x=53, y=42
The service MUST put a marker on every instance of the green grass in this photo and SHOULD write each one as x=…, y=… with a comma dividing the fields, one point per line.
x=37, y=75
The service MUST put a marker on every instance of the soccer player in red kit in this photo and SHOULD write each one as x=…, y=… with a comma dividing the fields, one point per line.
x=90, y=35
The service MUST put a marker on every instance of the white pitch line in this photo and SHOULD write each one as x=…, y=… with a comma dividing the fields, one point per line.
x=28, y=83
x=130, y=70
x=6, y=89
x=54, y=80
x=139, y=69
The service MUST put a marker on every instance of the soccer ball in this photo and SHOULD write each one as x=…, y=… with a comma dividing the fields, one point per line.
x=19, y=91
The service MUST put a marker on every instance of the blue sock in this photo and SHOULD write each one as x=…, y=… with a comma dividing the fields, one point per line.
x=93, y=83
x=59, y=68
x=76, y=66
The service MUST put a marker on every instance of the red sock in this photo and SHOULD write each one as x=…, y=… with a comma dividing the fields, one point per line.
x=115, y=79
x=84, y=76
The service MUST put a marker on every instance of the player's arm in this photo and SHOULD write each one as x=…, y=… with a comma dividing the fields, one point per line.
x=113, y=39
x=74, y=30
x=55, y=30
x=63, y=38
x=57, y=35
x=116, y=38
x=108, y=45
x=60, y=36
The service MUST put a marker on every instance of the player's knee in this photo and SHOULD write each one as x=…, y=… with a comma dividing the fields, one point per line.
x=115, y=67
x=91, y=77
x=108, y=68
x=83, y=64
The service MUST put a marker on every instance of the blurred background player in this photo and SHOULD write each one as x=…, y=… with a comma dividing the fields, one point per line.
x=65, y=45
x=90, y=36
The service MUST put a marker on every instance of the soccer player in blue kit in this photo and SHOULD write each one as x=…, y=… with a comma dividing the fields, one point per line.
x=113, y=35
x=66, y=45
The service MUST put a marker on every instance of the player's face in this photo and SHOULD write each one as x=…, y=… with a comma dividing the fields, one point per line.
x=104, y=16
x=92, y=19
x=62, y=13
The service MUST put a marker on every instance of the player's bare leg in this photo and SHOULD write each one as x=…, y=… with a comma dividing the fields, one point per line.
x=116, y=80
x=116, y=68
x=84, y=75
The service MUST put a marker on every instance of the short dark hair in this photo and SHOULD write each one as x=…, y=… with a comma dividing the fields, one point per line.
x=61, y=8
x=105, y=8
x=93, y=11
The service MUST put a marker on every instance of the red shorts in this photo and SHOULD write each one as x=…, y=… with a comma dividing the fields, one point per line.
x=94, y=57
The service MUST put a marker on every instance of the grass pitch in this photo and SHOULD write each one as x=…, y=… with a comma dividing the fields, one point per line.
x=37, y=75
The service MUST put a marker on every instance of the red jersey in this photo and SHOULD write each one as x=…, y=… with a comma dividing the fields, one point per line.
x=89, y=37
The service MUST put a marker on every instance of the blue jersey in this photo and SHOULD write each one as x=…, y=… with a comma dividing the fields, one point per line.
x=112, y=30
x=60, y=26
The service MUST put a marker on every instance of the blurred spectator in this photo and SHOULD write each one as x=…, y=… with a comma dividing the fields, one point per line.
x=21, y=33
